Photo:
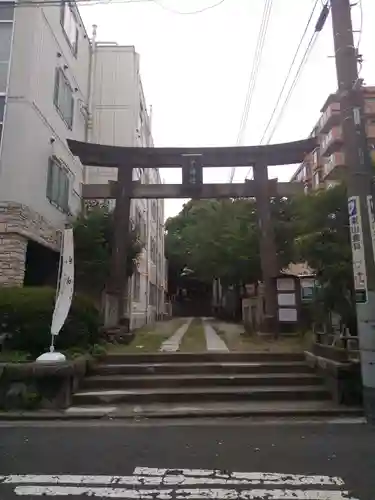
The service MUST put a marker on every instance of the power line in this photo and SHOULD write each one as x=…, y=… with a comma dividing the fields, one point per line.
x=293, y=86
x=58, y=3
x=193, y=12
x=318, y=28
x=254, y=74
x=289, y=72
x=360, y=4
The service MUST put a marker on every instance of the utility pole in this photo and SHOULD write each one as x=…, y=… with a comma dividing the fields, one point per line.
x=360, y=190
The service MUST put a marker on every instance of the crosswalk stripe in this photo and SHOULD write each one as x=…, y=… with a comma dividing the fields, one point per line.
x=250, y=476
x=177, y=480
x=183, y=494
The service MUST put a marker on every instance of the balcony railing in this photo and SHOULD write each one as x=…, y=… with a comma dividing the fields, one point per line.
x=331, y=114
x=328, y=141
x=370, y=106
x=370, y=129
x=334, y=161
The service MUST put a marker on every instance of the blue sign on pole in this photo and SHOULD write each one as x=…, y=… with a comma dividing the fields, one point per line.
x=352, y=207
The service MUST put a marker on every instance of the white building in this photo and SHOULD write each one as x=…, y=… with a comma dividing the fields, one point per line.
x=47, y=80
x=44, y=70
x=121, y=118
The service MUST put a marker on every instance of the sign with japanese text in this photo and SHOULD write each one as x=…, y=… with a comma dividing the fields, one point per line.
x=358, y=252
x=371, y=215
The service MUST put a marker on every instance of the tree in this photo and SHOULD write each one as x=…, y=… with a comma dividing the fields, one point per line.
x=93, y=231
x=220, y=239
x=324, y=243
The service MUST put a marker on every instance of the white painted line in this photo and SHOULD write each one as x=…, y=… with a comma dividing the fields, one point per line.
x=173, y=343
x=195, y=494
x=114, y=392
x=266, y=477
x=213, y=341
x=91, y=409
x=92, y=492
x=176, y=480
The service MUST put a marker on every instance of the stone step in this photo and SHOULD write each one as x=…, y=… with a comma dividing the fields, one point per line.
x=165, y=381
x=205, y=357
x=201, y=394
x=324, y=411
x=199, y=369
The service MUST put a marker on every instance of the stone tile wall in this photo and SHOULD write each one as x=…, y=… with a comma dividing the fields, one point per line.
x=18, y=224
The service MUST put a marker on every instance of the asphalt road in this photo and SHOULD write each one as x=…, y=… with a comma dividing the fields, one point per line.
x=293, y=455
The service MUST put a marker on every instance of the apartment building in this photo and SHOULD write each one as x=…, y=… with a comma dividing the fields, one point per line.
x=54, y=86
x=120, y=118
x=44, y=74
x=325, y=167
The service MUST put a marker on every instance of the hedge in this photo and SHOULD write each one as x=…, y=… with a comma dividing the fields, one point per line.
x=26, y=315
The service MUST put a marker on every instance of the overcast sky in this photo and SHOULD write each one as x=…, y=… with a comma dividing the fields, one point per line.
x=195, y=70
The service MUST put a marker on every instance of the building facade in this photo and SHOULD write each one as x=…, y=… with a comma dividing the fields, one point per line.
x=120, y=118
x=325, y=167
x=44, y=54
x=54, y=86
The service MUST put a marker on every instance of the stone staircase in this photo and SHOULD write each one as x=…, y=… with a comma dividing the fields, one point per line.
x=206, y=384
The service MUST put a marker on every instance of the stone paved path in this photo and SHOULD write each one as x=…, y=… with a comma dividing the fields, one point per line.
x=173, y=343
x=213, y=341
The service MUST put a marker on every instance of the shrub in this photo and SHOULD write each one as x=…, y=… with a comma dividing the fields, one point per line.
x=26, y=314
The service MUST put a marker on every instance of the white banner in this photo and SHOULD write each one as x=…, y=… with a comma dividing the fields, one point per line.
x=371, y=216
x=66, y=284
x=356, y=236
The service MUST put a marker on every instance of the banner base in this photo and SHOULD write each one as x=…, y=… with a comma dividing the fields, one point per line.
x=51, y=357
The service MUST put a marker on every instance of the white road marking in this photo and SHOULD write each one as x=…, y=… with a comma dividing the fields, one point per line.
x=91, y=409
x=195, y=494
x=213, y=341
x=237, y=479
x=173, y=343
x=294, y=479
x=168, y=484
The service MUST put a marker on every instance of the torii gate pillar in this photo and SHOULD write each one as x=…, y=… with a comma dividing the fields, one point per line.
x=268, y=251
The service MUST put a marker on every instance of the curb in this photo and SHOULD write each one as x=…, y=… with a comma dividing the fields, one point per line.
x=289, y=414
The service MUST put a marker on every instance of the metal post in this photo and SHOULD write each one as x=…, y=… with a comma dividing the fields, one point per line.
x=118, y=282
x=268, y=252
x=360, y=187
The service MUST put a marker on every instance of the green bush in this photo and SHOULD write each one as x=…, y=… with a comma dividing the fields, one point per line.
x=26, y=314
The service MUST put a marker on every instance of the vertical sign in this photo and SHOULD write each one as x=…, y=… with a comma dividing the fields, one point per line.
x=358, y=251
x=371, y=215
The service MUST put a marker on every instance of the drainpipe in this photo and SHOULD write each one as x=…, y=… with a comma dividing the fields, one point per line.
x=90, y=94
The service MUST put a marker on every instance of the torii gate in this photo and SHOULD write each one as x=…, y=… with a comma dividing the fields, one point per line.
x=192, y=161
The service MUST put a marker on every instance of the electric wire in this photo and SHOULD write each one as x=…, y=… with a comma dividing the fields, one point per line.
x=262, y=34
x=360, y=5
x=289, y=71
x=58, y=3
x=318, y=28
x=189, y=13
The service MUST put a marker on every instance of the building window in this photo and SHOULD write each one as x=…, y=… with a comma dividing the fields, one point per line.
x=153, y=250
x=6, y=29
x=140, y=226
x=316, y=179
x=2, y=110
x=137, y=286
x=69, y=23
x=7, y=11
x=58, y=184
x=153, y=209
x=153, y=294
x=63, y=98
